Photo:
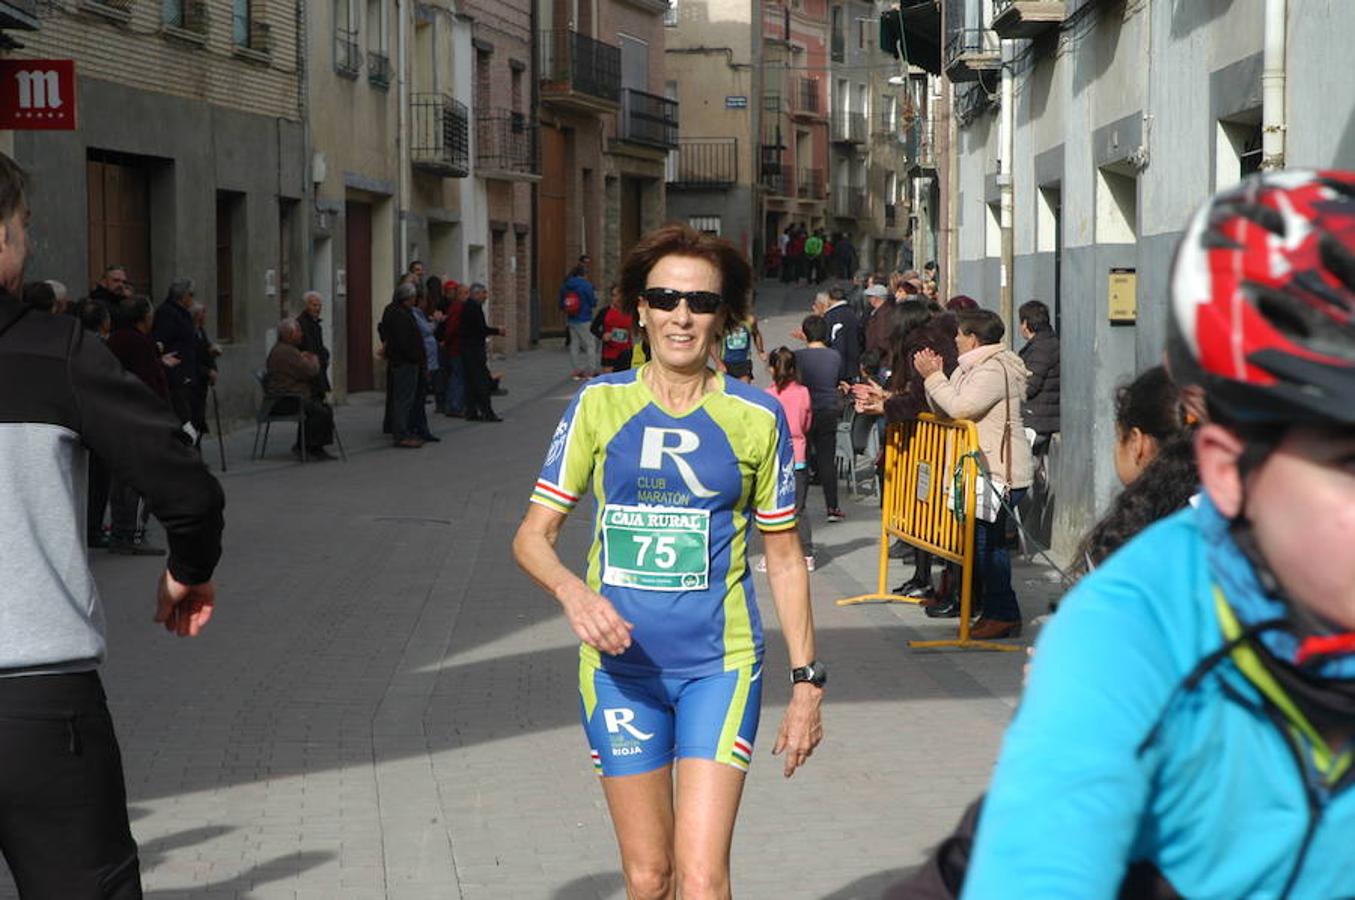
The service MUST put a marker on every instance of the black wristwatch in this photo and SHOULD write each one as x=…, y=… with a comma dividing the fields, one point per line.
x=816, y=673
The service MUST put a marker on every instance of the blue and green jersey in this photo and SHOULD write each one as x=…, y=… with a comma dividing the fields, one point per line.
x=676, y=496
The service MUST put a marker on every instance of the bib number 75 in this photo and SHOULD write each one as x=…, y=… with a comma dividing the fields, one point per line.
x=665, y=550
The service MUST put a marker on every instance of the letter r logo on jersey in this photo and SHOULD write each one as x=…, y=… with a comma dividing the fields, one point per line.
x=617, y=719
x=656, y=446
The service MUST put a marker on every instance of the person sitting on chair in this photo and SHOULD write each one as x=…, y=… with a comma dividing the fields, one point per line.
x=290, y=370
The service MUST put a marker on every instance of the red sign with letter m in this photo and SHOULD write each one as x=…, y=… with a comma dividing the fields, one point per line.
x=37, y=94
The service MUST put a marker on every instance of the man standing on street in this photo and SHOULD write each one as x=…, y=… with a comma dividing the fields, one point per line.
x=112, y=287
x=814, y=257
x=1041, y=356
x=63, y=807
x=577, y=301
x=475, y=357
x=313, y=341
x=405, y=353
x=176, y=334
x=844, y=333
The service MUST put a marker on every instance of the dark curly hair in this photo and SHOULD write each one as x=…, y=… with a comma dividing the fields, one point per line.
x=1165, y=486
x=677, y=239
x=1152, y=404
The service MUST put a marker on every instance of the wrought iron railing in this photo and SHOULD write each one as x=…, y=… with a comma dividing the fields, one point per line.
x=809, y=184
x=578, y=62
x=440, y=135
x=849, y=127
x=705, y=162
x=378, y=68
x=505, y=141
x=648, y=119
x=779, y=183
x=771, y=102
x=807, y=97
x=347, y=54
x=771, y=158
x=849, y=202
x=973, y=42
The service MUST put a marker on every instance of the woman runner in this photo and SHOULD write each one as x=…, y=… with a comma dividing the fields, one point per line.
x=682, y=460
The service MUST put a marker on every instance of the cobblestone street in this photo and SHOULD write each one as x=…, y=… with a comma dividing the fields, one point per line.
x=384, y=706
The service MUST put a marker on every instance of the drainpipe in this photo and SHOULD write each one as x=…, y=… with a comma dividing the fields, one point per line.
x=1007, y=140
x=403, y=138
x=1273, y=125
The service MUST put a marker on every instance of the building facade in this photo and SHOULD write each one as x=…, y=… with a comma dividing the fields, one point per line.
x=1123, y=119
x=713, y=52
x=188, y=162
x=607, y=124
x=793, y=162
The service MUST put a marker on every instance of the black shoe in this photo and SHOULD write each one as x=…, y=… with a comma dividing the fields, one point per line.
x=492, y=418
x=915, y=589
x=431, y=438
x=946, y=609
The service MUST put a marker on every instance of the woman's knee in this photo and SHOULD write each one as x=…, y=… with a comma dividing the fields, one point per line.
x=649, y=880
x=703, y=881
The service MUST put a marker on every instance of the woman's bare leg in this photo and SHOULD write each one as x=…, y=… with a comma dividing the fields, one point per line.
x=642, y=814
x=708, y=796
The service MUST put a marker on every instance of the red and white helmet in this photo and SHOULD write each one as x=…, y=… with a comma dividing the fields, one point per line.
x=1263, y=300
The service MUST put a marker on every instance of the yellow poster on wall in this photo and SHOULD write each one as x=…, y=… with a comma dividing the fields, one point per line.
x=1123, y=296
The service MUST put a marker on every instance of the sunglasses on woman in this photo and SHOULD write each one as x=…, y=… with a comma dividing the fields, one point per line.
x=666, y=300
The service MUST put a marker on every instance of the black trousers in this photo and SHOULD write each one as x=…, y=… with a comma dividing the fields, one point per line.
x=479, y=386
x=823, y=441
x=63, y=803
x=319, y=420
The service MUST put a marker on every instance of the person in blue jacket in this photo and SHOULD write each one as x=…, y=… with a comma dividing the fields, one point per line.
x=576, y=302
x=1188, y=725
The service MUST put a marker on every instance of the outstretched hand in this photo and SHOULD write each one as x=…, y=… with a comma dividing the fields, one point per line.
x=183, y=608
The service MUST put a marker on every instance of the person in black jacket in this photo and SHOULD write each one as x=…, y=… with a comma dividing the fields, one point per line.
x=313, y=340
x=175, y=332
x=63, y=808
x=1041, y=356
x=844, y=334
x=112, y=287
x=474, y=330
x=405, y=356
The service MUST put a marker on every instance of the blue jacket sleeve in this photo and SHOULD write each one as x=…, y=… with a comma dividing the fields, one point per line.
x=1063, y=811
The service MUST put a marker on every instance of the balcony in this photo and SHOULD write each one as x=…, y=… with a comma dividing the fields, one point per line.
x=648, y=119
x=1027, y=18
x=20, y=15
x=809, y=184
x=705, y=163
x=505, y=146
x=807, y=99
x=778, y=183
x=771, y=103
x=347, y=54
x=439, y=135
x=849, y=202
x=186, y=15
x=849, y=128
x=378, y=69
x=919, y=149
x=972, y=51
x=579, y=73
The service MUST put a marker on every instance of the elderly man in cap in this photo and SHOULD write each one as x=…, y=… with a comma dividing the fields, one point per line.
x=878, y=321
x=292, y=371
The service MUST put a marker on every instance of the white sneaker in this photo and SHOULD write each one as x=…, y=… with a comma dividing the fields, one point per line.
x=809, y=563
x=761, y=565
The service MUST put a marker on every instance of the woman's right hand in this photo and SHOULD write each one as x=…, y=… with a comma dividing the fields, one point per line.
x=596, y=621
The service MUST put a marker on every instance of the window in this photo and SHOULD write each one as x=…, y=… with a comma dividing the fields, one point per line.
x=1238, y=151
x=839, y=36
x=1116, y=208
x=185, y=15
x=240, y=22
x=670, y=15
x=862, y=35
x=706, y=224
x=347, y=53
x=376, y=25
x=517, y=92
x=992, y=243
x=229, y=213
x=482, y=81
x=378, y=50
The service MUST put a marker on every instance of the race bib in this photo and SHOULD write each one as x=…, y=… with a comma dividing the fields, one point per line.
x=656, y=548
x=619, y=336
x=737, y=339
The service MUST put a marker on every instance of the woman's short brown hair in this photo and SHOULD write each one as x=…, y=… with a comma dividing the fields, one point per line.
x=677, y=239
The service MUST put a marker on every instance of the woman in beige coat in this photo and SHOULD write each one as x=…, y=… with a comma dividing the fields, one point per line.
x=987, y=387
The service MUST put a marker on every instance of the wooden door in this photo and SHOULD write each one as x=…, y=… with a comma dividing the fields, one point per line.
x=632, y=204
x=552, y=218
x=359, y=312
x=119, y=197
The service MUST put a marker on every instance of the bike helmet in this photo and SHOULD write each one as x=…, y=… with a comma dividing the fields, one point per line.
x=1263, y=300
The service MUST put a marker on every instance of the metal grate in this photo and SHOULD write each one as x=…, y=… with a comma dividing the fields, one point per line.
x=440, y=135
x=580, y=63
x=379, y=68
x=648, y=119
x=505, y=141
x=706, y=162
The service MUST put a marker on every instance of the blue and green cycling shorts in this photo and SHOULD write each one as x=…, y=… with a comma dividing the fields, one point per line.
x=637, y=724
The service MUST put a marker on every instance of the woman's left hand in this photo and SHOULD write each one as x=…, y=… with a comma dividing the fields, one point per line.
x=927, y=362
x=801, y=727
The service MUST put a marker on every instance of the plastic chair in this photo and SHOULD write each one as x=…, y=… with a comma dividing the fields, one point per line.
x=268, y=414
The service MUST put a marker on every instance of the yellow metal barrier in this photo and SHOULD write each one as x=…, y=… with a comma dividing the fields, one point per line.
x=922, y=459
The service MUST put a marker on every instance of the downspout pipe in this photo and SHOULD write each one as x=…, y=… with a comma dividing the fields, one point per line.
x=402, y=201
x=1273, y=124
x=1006, y=189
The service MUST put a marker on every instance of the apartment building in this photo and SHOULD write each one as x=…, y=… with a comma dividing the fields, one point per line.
x=607, y=124
x=871, y=123
x=713, y=48
x=1123, y=118
x=793, y=160
x=506, y=160
x=188, y=161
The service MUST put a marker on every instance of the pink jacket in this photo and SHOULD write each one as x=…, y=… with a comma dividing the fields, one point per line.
x=795, y=401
